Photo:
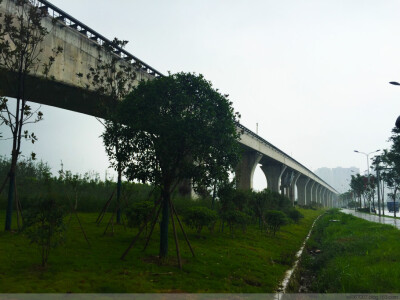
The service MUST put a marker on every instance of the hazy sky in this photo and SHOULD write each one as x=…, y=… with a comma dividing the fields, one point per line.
x=313, y=74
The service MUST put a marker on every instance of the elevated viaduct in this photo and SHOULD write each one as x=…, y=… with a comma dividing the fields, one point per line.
x=82, y=47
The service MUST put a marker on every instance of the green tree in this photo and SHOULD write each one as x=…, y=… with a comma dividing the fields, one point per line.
x=391, y=160
x=21, y=36
x=346, y=197
x=112, y=78
x=274, y=220
x=361, y=187
x=179, y=127
x=44, y=226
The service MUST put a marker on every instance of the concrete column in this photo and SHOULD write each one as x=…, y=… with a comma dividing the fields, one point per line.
x=273, y=173
x=309, y=193
x=322, y=195
x=325, y=197
x=245, y=169
x=286, y=182
x=302, y=182
x=286, y=190
x=314, y=192
x=292, y=195
x=319, y=194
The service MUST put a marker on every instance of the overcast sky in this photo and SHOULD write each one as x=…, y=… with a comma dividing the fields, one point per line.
x=313, y=74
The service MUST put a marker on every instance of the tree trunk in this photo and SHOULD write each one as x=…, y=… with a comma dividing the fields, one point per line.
x=373, y=201
x=164, y=222
x=11, y=189
x=383, y=197
x=119, y=183
x=16, y=146
x=394, y=201
x=214, y=195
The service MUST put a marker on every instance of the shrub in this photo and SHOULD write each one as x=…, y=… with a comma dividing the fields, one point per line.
x=294, y=215
x=138, y=213
x=236, y=217
x=198, y=217
x=44, y=225
x=182, y=204
x=268, y=200
x=274, y=220
x=234, y=199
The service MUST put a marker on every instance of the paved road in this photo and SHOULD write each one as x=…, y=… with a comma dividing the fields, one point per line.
x=374, y=218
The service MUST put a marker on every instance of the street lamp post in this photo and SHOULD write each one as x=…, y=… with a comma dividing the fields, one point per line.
x=367, y=155
x=378, y=158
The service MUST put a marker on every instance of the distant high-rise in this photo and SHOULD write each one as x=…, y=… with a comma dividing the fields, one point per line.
x=339, y=178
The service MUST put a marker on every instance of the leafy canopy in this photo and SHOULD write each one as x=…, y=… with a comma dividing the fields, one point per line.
x=179, y=127
x=391, y=160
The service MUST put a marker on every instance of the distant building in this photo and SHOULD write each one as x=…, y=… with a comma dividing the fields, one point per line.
x=339, y=178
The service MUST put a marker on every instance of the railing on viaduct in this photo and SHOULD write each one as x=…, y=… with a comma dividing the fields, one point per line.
x=60, y=15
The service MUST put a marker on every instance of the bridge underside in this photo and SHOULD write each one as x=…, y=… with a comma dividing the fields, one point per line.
x=57, y=94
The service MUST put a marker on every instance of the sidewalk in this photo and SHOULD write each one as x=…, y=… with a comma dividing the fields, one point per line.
x=373, y=218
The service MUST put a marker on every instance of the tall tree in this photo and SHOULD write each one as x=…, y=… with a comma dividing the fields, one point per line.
x=180, y=127
x=391, y=160
x=112, y=78
x=21, y=55
x=357, y=186
x=363, y=187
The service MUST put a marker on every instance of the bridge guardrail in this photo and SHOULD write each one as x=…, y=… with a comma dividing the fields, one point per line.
x=58, y=14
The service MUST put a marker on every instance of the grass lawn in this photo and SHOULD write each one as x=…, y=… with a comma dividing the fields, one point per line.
x=250, y=262
x=356, y=256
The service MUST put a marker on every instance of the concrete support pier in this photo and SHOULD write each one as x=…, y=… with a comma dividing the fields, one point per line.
x=245, y=169
x=309, y=189
x=292, y=188
x=302, y=183
x=273, y=173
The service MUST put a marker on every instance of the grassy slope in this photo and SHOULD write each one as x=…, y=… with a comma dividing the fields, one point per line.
x=252, y=262
x=357, y=257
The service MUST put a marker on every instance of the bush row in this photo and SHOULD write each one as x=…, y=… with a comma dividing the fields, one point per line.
x=87, y=192
x=234, y=209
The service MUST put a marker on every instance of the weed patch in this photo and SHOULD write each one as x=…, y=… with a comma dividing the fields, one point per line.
x=355, y=256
